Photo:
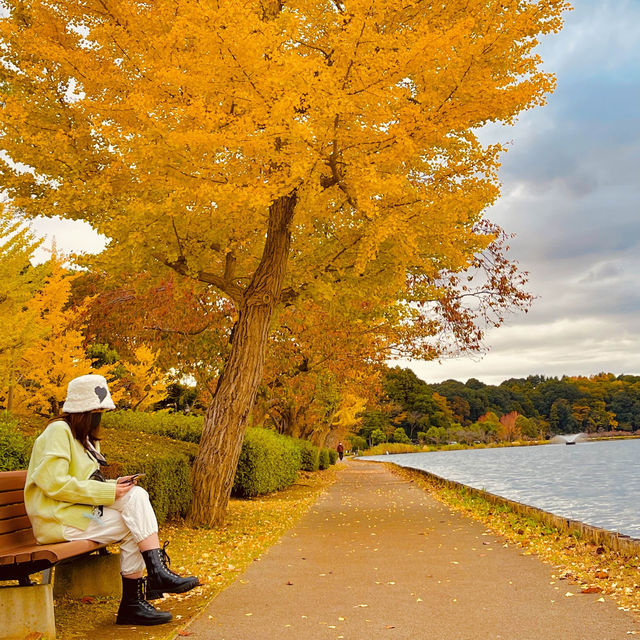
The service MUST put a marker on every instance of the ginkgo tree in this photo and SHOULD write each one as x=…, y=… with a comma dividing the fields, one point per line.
x=48, y=364
x=19, y=319
x=268, y=149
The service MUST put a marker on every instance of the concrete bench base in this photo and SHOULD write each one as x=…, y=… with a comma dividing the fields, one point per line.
x=27, y=609
x=94, y=575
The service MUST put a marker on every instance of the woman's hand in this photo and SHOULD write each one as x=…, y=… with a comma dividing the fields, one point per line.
x=123, y=486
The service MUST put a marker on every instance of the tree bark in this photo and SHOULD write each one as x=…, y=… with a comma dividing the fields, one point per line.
x=10, y=398
x=226, y=418
x=12, y=383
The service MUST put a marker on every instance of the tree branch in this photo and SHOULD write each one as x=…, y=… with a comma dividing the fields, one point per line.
x=229, y=288
x=195, y=332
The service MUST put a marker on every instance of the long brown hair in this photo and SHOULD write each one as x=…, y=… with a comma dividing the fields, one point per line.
x=84, y=426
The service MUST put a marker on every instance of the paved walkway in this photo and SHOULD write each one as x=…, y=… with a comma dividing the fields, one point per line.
x=377, y=557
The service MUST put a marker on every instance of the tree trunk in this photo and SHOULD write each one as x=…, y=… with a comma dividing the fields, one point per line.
x=12, y=383
x=226, y=417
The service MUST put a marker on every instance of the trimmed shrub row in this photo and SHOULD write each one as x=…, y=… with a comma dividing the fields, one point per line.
x=159, y=423
x=324, y=459
x=268, y=462
x=167, y=464
x=162, y=446
x=309, y=456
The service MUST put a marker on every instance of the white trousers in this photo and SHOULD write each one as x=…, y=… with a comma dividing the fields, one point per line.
x=129, y=520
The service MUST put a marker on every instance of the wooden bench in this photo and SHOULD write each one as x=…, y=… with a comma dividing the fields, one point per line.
x=28, y=607
x=20, y=554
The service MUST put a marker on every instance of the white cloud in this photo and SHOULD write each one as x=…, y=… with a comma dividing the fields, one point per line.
x=69, y=236
x=571, y=194
x=565, y=346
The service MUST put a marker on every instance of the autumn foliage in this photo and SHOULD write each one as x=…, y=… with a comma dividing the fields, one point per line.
x=43, y=341
x=276, y=152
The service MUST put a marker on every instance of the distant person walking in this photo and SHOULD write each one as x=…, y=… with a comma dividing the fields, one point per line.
x=340, y=449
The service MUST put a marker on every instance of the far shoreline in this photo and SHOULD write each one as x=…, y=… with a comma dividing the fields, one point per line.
x=400, y=448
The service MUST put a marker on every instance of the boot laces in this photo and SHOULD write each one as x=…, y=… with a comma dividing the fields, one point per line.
x=142, y=595
x=166, y=560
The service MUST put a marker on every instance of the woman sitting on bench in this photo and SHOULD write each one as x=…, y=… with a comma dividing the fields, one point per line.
x=67, y=498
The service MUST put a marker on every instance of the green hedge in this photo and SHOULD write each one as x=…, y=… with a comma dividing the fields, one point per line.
x=333, y=456
x=159, y=423
x=166, y=462
x=324, y=459
x=15, y=448
x=268, y=462
x=309, y=455
x=394, y=447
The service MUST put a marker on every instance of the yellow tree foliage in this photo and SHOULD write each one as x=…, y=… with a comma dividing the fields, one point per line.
x=346, y=417
x=269, y=149
x=19, y=325
x=144, y=383
x=443, y=405
x=317, y=356
x=48, y=364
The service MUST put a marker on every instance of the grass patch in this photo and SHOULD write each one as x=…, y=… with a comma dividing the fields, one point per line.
x=217, y=556
x=597, y=569
x=394, y=447
x=398, y=447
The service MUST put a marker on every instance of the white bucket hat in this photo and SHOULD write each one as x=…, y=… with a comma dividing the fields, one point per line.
x=87, y=393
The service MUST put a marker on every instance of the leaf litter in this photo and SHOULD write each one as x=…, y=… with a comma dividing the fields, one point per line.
x=217, y=556
x=595, y=568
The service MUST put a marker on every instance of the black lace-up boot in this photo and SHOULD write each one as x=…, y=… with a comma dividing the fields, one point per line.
x=134, y=609
x=160, y=578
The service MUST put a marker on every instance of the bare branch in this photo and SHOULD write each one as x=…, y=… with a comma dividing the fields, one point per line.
x=230, y=289
x=195, y=332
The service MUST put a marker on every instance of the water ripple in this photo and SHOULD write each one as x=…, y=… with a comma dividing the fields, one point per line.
x=596, y=482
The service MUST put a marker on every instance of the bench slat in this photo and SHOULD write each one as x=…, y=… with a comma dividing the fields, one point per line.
x=51, y=553
x=12, y=511
x=65, y=550
x=22, y=551
x=18, y=547
x=14, y=524
x=12, y=480
x=23, y=556
x=11, y=497
x=10, y=541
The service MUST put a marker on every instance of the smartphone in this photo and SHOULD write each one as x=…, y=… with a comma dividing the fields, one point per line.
x=135, y=476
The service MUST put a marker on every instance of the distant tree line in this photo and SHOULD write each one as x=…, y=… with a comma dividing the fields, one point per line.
x=532, y=408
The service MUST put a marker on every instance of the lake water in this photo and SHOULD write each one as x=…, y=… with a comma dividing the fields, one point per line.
x=595, y=482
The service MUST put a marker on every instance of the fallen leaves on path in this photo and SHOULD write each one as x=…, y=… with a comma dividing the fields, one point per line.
x=216, y=555
x=597, y=569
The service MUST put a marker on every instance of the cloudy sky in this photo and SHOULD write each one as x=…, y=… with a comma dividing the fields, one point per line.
x=571, y=194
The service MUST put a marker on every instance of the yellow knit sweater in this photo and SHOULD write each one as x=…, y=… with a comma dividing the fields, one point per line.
x=58, y=491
